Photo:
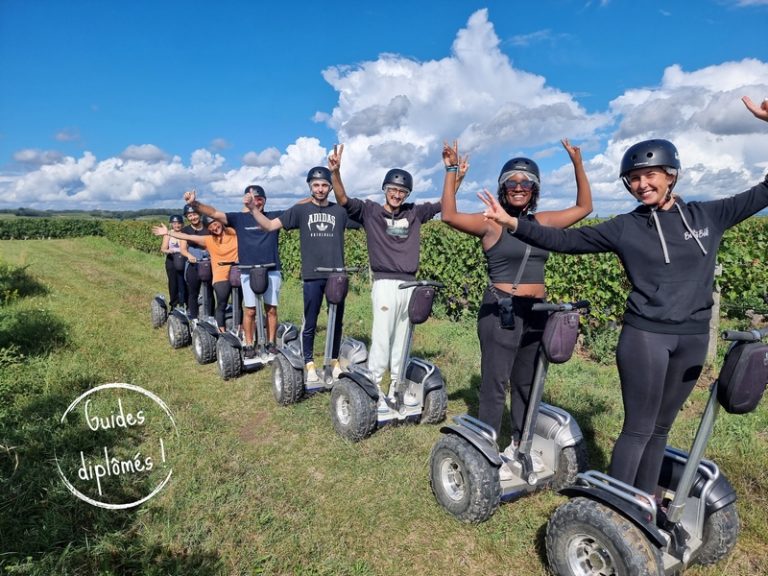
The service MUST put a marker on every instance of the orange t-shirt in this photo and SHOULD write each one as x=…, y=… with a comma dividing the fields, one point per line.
x=222, y=249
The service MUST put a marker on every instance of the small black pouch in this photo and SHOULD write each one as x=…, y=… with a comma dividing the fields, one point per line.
x=204, y=272
x=336, y=288
x=178, y=261
x=258, y=280
x=420, y=305
x=560, y=335
x=506, y=312
x=742, y=379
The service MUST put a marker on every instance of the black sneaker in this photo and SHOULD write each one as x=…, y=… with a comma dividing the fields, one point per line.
x=271, y=348
x=249, y=352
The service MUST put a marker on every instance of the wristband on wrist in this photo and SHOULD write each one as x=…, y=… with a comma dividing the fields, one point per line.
x=452, y=168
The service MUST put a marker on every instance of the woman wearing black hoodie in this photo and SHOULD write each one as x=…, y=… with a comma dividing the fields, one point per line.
x=668, y=249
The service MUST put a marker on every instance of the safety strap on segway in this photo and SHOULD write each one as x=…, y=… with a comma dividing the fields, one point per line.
x=743, y=377
x=560, y=335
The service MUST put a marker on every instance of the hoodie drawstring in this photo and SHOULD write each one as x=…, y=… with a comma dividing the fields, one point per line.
x=655, y=218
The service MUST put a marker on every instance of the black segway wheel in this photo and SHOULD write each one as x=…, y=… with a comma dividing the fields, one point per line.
x=571, y=461
x=228, y=359
x=178, y=333
x=287, y=381
x=435, y=406
x=353, y=412
x=203, y=346
x=721, y=530
x=158, y=314
x=463, y=481
x=586, y=538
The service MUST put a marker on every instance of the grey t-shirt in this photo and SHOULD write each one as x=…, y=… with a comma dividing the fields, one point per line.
x=321, y=236
x=394, y=240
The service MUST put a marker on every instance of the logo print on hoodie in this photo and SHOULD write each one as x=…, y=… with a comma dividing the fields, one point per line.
x=703, y=233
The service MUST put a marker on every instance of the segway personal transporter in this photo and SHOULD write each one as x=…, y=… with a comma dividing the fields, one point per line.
x=418, y=394
x=610, y=527
x=205, y=331
x=465, y=461
x=158, y=311
x=229, y=345
x=289, y=382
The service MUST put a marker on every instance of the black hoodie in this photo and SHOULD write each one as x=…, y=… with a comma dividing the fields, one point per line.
x=669, y=256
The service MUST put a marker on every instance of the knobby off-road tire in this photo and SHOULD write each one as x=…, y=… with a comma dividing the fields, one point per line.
x=721, y=530
x=353, y=412
x=571, y=461
x=158, y=314
x=203, y=346
x=435, y=406
x=287, y=381
x=178, y=333
x=585, y=538
x=463, y=481
x=228, y=359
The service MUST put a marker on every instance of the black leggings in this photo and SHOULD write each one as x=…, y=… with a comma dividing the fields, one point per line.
x=507, y=356
x=177, y=288
x=223, y=289
x=657, y=372
x=193, y=292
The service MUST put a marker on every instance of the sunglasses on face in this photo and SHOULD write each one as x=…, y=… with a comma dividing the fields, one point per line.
x=526, y=185
x=396, y=191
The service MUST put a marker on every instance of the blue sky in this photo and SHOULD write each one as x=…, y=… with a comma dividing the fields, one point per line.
x=124, y=105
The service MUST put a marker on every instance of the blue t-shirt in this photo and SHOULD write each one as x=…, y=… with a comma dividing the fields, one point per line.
x=254, y=244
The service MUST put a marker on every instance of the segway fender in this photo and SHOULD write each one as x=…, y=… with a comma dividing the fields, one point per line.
x=620, y=505
x=210, y=328
x=180, y=315
x=293, y=355
x=490, y=452
x=160, y=299
x=231, y=339
x=368, y=386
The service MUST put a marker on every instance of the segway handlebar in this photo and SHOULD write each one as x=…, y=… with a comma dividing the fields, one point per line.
x=745, y=336
x=343, y=269
x=562, y=306
x=412, y=283
x=247, y=266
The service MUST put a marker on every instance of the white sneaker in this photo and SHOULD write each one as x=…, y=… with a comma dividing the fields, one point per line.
x=538, y=463
x=410, y=399
x=336, y=369
x=505, y=472
x=312, y=377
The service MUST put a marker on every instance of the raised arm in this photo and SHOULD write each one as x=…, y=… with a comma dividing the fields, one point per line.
x=162, y=230
x=474, y=224
x=760, y=112
x=264, y=222
x=583, y=206
x=165, y=246
x=334, y=165
x=190, y=198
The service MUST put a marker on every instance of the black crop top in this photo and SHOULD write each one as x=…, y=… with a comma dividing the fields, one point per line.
x=504, y=258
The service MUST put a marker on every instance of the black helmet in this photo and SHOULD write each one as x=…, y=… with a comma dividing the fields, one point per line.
x=398, y=177
x=319, y=173
x=521, y=164
x=256, y=190
x=647, y=154
x=207, y=220
x=188, y=209
x=176, y=218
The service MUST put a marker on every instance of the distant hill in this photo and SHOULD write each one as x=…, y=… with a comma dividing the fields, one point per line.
x=143, y=214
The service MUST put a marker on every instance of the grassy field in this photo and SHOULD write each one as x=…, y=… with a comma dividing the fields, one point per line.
x=262, y=489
